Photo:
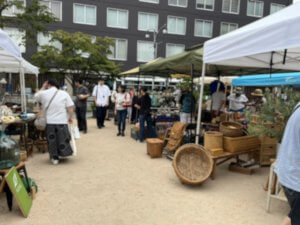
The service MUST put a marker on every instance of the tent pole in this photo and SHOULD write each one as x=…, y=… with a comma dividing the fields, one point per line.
x=37, y=81
x=192, y=87
x=22, y=88
x=200, y=104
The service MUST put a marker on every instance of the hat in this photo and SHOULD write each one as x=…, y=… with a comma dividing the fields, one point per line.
x=238, y=90
x=257, y=93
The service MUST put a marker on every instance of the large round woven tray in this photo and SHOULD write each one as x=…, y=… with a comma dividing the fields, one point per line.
x=192, y=164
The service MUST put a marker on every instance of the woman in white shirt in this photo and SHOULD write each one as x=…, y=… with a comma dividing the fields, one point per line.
x=122, y=101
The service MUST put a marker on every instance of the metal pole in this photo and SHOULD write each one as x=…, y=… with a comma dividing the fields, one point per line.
x=192, y=87
x=200, y=104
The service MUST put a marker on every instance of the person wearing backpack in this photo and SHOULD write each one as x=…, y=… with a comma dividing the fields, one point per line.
x=187, y=106
x=58, y=108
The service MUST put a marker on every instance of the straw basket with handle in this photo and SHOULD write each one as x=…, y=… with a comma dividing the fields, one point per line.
x=192, y=164
x=231, y=129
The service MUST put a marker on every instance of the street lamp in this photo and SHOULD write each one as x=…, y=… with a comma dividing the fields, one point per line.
x=162, y=29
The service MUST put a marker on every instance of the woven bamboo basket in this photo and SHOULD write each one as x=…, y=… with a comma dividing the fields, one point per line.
x=231, y=129
x=240, y=144
x=154, y=147
x=192, y=164
x=213, y=140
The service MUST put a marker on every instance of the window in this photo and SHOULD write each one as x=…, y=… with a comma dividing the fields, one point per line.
x=13, y=10
x=179, y=3
x=145, y=51
x=118, y=50
x=147, y=21
x=228, y=27
x=55, y=7
x=231, y=6
x=176, y=25
x=276, y=7
x=17, y=36
x=85, y=14
x=150, y=1
x=255, y=8
x=173, y=49
x=117, y=18
x=205, y=4
x=46, y=40
x=203, y=28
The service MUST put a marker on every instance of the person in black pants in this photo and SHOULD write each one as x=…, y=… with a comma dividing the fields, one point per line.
x=144, y=107
x=101, y=94
x=82, y=95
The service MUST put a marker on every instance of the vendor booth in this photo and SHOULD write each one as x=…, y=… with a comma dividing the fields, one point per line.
x=13, y=151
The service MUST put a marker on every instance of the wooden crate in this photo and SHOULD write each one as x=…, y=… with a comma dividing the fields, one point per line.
x=240, y=144
x=154, y=147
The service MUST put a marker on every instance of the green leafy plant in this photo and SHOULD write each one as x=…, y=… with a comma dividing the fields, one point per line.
x=274, y=114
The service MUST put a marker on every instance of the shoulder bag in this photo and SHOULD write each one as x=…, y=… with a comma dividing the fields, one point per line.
x=41, y=120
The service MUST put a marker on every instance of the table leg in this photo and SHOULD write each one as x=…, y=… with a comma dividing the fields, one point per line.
x=9, y=197
x=213, y=173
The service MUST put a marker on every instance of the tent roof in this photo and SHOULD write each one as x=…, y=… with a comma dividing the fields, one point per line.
x=10, y=57
x=265, y=80
x=136, y=70
x=260, y=43
x=181, y=63
x=10, y=64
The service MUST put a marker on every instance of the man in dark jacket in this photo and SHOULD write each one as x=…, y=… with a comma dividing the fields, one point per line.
x=82, y=95
x=144, y=107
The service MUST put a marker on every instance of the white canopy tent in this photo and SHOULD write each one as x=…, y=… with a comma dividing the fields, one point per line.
x=271, y=42
x=11, y=61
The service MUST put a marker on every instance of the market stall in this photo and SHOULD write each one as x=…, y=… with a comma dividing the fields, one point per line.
x=11, y=61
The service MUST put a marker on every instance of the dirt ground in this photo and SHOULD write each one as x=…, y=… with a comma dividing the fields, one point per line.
x=113, y=182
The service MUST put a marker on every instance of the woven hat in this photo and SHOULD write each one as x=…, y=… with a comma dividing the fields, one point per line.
x=238, y=90
x=257, y=93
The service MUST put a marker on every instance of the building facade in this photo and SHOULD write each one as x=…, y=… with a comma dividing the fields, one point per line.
x=135, y=24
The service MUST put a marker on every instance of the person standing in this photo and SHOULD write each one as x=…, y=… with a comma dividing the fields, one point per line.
x=237, y=101
x=122, y=101
x=59, y=110
x=144, y=107
x=134, y=110
x=187, y=106
x=101, y=94
x=218, y=101
x=82, y=95
x=287, y=166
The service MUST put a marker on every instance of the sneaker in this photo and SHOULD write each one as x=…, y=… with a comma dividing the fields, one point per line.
x=123, y=134
x=118, y=134
x=54, y=161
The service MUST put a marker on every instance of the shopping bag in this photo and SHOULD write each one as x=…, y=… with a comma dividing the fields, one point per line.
x=73, y=142
x=75, y=131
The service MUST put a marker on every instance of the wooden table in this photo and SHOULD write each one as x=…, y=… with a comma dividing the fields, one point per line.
x=225, y=156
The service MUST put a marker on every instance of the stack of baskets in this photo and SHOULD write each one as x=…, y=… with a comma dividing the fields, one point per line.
x=231, y=138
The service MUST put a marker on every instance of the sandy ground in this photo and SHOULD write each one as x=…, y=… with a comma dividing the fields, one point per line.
x=113, y=182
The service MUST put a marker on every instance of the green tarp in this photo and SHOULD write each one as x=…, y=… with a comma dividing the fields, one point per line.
x=182, y=63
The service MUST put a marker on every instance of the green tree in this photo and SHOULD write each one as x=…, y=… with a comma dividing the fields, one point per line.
x=78, y=54
x=31, y=18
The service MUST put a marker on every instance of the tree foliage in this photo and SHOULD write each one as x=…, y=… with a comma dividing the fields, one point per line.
x=274, y=115
x=80, y=55
x=31, y=18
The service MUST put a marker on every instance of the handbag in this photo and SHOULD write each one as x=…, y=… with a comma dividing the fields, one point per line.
x=73, y=141
x=41, y=120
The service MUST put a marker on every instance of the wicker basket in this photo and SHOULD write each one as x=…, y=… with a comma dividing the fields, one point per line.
x=192, y=164
x=213, y=140
x=240, y=144
x=231, y=129
x=154, y=147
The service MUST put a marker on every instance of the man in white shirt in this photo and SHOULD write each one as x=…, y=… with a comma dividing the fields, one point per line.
x=101, y=94
x=237, y=101
x=59, y=109
x=218, y=101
